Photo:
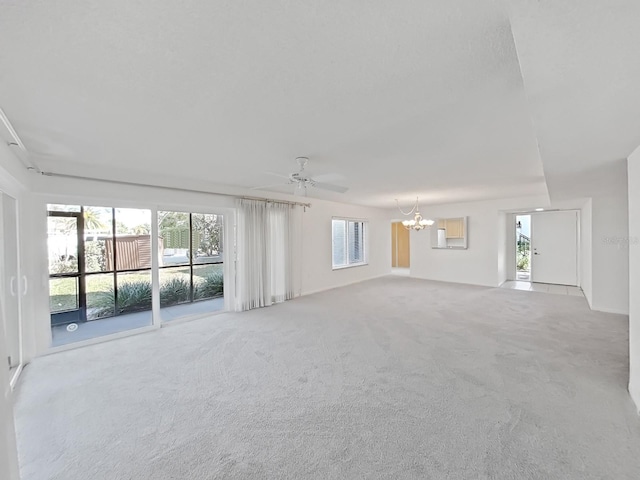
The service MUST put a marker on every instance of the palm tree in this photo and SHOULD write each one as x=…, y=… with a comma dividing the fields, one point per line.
x=92, y=219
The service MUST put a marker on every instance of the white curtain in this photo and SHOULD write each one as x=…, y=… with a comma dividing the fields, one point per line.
x=269, y=245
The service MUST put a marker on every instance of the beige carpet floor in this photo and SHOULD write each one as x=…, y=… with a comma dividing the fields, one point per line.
x=392, y=378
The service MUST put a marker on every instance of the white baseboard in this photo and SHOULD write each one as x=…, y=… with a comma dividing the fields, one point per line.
x=634, y=391
x=608, y=310
x=312, y=292
x=588, y=299
x=454, y=283
x=596, y=308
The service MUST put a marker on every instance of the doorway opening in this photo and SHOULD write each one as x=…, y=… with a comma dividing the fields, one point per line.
x=400, y=249
x=523, y=248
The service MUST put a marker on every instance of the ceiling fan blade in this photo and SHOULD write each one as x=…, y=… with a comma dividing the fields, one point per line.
x=330, y=186
x=277, y=175
x=264, y=187
x=329, y=178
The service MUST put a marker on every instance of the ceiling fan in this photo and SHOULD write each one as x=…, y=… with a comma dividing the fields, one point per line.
x=303, y=179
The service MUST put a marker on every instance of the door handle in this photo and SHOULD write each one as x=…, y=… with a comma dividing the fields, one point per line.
x=12, y=287
x=26, y=285
x=536, y=253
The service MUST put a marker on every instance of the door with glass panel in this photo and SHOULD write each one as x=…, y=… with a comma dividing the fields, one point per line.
x=11, y=282
x=191, y=261
x=99, y=271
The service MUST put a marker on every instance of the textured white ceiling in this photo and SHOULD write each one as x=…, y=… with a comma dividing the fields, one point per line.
x=402, y=98
x=581, y=65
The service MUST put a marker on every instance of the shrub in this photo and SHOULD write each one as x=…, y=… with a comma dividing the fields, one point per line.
x=63, y=265
x=95, y=256
x=132, y=297
x=523, y=262
x=136, y=296
x=211, y=286
x=173, y=291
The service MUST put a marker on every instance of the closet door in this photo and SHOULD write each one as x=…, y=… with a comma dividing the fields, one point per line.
x=10, y=281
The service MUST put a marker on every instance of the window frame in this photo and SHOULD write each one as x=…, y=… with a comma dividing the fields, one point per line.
x=364, y=243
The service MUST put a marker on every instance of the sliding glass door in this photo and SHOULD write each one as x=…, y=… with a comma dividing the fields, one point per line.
x=191, y=264
x=99, y=271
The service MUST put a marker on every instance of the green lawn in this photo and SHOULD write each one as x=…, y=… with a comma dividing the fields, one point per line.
x=63, y=291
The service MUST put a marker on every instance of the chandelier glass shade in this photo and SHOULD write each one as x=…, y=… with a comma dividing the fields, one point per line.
x=417, y=222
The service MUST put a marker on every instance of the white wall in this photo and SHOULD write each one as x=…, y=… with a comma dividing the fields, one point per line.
x=504, y=227
x=586, y=251
x=490, y=258
x=511, y=246
x=610, y=247
x=317, y=273
x=11, y=167
x=634, y=275
x=484, y=262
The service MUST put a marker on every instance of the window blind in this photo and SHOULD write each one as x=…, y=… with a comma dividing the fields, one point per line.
x=348, y=240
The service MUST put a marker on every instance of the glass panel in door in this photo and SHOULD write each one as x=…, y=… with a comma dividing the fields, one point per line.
x=191, y=264
x=65, y=287
x=99, y=269
x=62, y=242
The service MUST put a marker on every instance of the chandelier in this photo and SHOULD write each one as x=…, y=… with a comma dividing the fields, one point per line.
x=417, y=222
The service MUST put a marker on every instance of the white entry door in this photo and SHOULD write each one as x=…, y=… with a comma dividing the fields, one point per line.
x=554, y=242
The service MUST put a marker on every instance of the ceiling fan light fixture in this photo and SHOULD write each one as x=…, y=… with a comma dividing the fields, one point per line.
x=300, y=189
x=303, y=179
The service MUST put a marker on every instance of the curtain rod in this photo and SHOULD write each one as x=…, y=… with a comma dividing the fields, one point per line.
x=177, y=189
x=270, y=200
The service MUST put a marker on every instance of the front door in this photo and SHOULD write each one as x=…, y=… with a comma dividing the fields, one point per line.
x=554, y=241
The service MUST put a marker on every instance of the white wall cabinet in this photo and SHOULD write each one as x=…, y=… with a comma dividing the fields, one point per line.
x=10, y=335
x=11, y=284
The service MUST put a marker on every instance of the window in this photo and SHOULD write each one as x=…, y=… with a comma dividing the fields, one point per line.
x=348, y=242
